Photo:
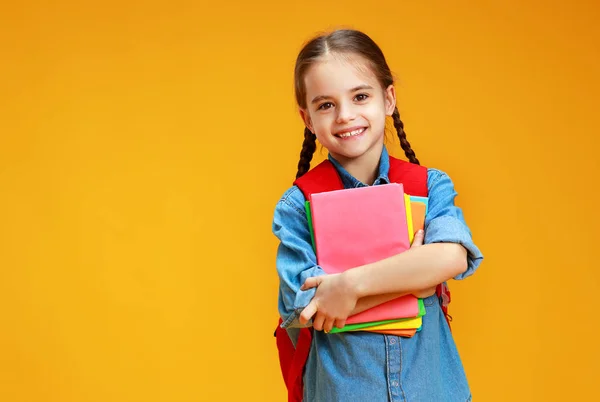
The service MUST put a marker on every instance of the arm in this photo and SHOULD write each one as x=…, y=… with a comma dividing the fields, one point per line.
x=449, y=252
x=359, y=289
x=417, y=268
x=295, y=259
x=367, y=302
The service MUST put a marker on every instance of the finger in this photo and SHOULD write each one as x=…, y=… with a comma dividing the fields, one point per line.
x=308, y=312
x=328, y=325
x=339, y=323
x=311, y=282
x=418, y=239
x=318, y=321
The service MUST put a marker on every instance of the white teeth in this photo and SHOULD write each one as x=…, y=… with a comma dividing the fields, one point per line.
x=352, y=133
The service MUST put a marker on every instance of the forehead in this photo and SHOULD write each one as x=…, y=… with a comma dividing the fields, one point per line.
x=338, y=74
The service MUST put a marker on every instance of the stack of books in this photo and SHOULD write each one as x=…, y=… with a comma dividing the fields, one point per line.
x=353, y=227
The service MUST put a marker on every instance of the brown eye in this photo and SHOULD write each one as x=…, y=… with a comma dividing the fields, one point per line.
x=325, y=106
x=361, y=97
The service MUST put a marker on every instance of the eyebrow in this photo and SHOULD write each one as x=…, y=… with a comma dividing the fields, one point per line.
x=320, y=98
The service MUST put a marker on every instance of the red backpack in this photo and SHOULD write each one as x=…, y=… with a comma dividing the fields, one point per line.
x=322, y=178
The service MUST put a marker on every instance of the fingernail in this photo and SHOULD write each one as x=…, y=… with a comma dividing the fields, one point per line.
x=420, y=231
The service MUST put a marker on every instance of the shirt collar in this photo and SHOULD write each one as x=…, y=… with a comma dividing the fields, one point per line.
x=350, y=181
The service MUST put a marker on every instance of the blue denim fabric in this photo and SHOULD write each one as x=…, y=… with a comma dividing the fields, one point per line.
x=363, y=366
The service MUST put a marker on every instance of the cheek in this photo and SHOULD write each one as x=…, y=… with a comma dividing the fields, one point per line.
x=376, y=115
x=321, y=123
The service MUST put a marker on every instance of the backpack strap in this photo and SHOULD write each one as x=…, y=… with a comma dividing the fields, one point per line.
x=322, y=178
x=413, y=177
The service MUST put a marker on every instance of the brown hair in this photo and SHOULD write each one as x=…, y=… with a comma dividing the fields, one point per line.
x=343, y=41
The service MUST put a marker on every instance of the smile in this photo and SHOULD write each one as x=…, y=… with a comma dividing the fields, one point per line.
x=352, y=133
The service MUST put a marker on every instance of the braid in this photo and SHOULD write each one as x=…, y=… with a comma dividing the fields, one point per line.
x=410, y=154
x=308, y=149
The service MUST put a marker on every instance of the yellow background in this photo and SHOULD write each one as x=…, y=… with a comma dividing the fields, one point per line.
x=143, y=147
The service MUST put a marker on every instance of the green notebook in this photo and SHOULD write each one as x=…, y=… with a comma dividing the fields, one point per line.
x=310, y=225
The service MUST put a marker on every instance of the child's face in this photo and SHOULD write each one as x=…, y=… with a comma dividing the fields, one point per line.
x=346, y=107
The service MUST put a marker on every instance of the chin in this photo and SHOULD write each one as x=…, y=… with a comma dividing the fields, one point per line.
x=352, y=153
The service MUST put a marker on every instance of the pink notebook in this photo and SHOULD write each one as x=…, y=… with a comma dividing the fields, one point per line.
x=353, y=227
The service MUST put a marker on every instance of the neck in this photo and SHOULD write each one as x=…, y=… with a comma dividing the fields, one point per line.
x=364, y=168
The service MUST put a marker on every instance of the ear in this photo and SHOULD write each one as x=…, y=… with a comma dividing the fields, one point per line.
x=390, y=100
x=306, y=118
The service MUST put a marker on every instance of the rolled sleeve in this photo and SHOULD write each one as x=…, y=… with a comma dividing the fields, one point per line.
x=301, y=299
x=296, y=260
x=445, y=222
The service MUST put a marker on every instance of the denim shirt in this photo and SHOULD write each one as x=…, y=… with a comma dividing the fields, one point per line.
x=364, y=366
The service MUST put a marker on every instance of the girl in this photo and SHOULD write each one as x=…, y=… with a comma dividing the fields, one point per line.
x=344, y=89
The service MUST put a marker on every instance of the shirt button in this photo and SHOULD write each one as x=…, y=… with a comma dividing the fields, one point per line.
x=395, y=383
x=392, y=341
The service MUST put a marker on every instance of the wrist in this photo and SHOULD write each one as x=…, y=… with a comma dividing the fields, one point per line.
x=355, y=282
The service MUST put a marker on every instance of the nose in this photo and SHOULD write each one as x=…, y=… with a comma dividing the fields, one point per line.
x=345, y=113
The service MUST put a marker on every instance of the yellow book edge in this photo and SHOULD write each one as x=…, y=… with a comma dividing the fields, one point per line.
x=406, y=324
x=409, y=221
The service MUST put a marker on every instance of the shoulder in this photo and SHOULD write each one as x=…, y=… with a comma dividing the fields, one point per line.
x=291, y=200
x=405, y=166
x=289, y=218
x=439, y=183
x=435, y=176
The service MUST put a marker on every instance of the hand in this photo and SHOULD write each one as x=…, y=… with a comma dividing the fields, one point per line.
x=424, y=293
x=334, y=300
